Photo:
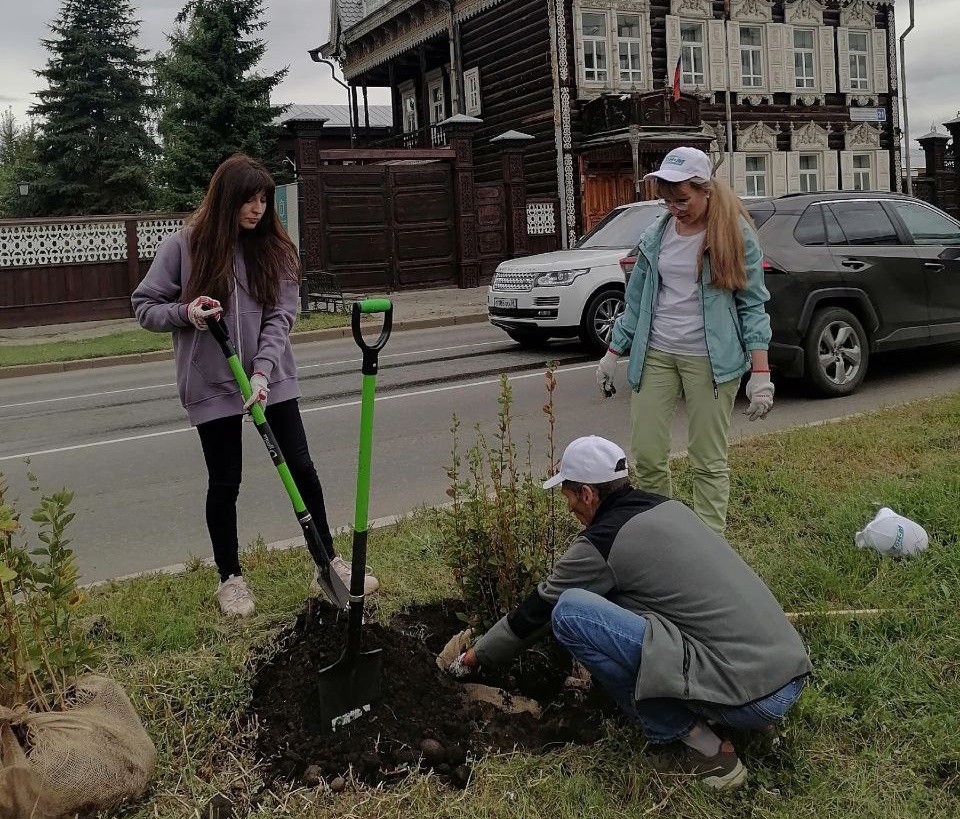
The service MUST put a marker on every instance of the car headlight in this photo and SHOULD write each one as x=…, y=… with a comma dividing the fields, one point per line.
x=555, y=278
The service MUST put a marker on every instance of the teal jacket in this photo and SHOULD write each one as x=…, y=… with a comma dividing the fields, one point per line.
x=735, y=322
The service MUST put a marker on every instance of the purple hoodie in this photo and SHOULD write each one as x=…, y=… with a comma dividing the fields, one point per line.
x=261, y=334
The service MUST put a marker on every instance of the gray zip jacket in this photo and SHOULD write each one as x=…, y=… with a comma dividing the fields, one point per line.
x=716, y=633
x=261, y=334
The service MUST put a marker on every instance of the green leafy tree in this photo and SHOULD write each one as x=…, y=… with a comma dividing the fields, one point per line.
x=18, y=163
x=93, y=143
x=214, y=101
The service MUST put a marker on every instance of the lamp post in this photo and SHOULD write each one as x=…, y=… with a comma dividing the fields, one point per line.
x=903, y=92
x=315, y=56
x=23, y=188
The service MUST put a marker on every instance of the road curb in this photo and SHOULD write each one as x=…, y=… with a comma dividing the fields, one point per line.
x=21, y=370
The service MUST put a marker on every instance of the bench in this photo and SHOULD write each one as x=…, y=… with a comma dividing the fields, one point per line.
x=324, y=292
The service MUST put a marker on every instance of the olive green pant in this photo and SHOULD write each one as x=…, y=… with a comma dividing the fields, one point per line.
x=666, y=378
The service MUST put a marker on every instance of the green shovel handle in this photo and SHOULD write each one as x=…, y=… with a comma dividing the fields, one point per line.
x=369, y=369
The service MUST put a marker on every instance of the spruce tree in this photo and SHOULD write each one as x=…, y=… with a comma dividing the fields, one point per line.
x=92, y=144
x=18, y=163
x=214, y=102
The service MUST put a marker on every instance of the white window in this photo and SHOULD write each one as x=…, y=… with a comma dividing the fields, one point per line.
x=751, y=56
x=859, y=60
x=804, y=66
x=630, y=45
x=809, y=173
x=691, y=54
x=756, y=175
x=861, y=172
x=594, y=31
x=471, y=90
x=437, y=103
x=408, y=105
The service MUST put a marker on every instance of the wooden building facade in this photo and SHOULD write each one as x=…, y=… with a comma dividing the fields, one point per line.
x=812, y=89
x=939, y=184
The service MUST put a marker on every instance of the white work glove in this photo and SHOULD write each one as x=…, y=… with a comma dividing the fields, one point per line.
x=605, y=372
x=760, y=394
x=450, y=658
x=202, y=308
x=458, y=669
x=258, y=391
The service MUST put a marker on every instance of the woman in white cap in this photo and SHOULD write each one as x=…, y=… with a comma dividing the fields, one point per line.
x=694, y=323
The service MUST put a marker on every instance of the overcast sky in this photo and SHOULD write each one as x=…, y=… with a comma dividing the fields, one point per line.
x=298, y=25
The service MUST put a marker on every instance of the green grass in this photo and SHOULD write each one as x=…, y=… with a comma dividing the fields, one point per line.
x=127, y=342
x=874, y=735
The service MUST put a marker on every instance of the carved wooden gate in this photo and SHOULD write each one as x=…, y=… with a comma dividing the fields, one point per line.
x=492, y=245
x=381, y=226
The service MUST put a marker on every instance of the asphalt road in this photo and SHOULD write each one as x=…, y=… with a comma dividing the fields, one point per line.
x=118, y=436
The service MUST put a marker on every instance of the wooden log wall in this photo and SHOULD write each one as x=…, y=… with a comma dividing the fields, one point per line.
x=511, y=43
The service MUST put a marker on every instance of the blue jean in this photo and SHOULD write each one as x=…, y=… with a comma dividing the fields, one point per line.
x=608, y=640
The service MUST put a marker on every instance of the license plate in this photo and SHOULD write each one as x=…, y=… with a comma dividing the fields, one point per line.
x=507, y=304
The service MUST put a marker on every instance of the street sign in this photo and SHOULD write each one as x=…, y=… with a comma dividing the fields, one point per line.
x=868, y=114
x=285, y=202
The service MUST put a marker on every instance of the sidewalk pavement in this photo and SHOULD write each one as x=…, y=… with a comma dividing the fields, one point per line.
x=412, y=310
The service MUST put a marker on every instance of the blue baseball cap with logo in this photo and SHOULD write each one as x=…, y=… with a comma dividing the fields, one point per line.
x=682, y=165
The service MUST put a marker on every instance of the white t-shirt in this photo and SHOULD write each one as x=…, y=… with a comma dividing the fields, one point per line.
x=677, y=317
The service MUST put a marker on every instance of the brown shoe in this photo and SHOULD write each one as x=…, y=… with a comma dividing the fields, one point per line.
x=722, y=770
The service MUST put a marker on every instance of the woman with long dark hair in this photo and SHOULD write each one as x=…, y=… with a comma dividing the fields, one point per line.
x=233, y=259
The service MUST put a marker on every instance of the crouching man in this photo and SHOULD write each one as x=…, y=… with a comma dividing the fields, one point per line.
x=666, y=616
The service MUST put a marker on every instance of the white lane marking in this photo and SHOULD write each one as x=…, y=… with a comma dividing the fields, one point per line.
x=301, y=367
x=85, y=395
x=324, y=408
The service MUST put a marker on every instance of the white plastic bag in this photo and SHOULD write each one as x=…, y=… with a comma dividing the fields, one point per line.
x=892, y=534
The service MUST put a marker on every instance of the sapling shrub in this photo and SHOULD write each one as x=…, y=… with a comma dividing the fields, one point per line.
x=42, y=646
x=502, y=529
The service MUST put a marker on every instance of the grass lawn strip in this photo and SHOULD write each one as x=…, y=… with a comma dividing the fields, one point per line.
x=128, y=342
x=875, y=734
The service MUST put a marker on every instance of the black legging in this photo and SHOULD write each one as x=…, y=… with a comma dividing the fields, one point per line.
x=222, y=451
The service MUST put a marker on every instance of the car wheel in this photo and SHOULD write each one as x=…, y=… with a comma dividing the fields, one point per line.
x=598, y=318
x=529, y=337
x=837, y=350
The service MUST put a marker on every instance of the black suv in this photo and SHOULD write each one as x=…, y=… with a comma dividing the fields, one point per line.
x=854, y=273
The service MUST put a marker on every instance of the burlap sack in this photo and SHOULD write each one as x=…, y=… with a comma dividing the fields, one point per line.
x=477, y=692
x=92, y=756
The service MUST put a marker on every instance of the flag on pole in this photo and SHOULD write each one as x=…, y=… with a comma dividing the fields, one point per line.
x=676, y=81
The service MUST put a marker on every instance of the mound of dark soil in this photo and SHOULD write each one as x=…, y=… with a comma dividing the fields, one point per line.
x=422, y=720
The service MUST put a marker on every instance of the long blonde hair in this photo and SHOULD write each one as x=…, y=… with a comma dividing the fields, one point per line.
x=724, y=240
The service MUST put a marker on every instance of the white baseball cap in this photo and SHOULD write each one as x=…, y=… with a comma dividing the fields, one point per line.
x=683, y=164
x=890, y=533
x=590, y=459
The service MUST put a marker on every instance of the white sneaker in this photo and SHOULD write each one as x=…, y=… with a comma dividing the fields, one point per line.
x=235, y=599
x=343, y=569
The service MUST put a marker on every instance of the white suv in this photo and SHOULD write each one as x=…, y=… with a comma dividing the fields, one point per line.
x=576, y=292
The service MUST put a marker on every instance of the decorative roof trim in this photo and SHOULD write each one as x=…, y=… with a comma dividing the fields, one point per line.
x=392, y=49
x=385, y=13
x=412, y=37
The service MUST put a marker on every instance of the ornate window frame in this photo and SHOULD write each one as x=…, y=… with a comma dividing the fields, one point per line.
x=714, y=45
x=587, y=89
x=473, y=103
x=860, y=16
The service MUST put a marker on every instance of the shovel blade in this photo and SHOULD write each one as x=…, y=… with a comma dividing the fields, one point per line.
x=331, y=584
x=347, y=689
